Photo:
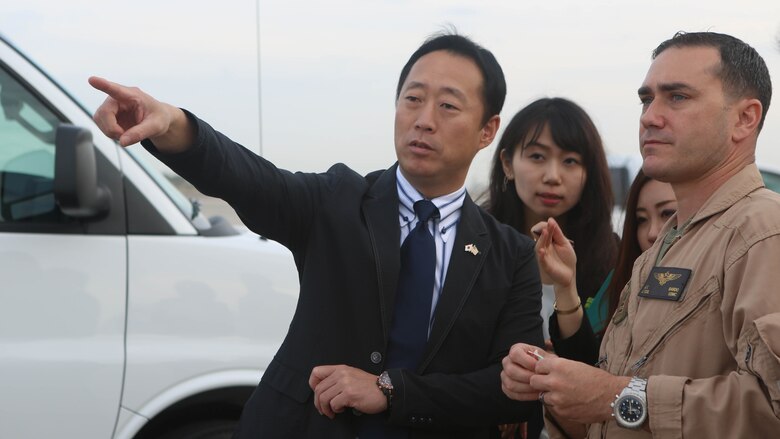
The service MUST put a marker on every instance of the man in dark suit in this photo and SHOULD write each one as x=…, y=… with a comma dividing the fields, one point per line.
x=346, y=368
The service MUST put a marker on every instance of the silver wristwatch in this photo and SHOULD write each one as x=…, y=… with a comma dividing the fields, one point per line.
x=630, y=407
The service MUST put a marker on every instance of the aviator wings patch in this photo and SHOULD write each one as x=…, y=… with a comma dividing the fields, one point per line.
x=665, y=277
x=667, y=283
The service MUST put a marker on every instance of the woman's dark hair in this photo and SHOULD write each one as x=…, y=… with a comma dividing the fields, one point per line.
x=589, y=222
x=629, y=245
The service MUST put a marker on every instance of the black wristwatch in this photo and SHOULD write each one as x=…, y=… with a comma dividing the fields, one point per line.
x=386, y=386
x=630, y=407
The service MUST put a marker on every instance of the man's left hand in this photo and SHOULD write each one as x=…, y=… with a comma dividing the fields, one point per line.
x=339, y=387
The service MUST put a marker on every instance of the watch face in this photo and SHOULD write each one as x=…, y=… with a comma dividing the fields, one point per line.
x=384, y=382
x=631, y=409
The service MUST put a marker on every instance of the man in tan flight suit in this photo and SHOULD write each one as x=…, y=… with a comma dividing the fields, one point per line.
x=693, y=350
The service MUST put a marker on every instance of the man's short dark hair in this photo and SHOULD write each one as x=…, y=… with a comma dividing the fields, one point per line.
x=742, y=70
x=493, y=82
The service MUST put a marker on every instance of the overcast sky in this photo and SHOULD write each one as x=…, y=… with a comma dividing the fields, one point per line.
x=328, y=69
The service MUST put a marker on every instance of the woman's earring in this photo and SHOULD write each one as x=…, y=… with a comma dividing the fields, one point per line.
x=503, y=186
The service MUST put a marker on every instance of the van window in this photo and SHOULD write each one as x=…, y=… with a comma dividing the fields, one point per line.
x=141, y=156
x=27, y=130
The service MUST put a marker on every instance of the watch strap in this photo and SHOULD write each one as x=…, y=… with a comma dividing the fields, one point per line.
x=385, y=384
x=638, y=384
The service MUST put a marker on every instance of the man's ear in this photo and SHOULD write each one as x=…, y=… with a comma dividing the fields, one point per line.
x=489, y=131
x=749, y=113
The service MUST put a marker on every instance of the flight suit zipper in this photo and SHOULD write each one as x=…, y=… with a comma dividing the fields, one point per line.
x=748, y=355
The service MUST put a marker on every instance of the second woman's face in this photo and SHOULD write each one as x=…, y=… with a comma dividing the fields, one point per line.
x=548, y=179
x=655, y=204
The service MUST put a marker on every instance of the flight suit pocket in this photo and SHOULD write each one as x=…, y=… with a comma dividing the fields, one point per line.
x=683, y=314
x=759, y=354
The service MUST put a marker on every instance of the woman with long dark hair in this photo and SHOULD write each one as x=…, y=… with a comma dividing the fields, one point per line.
x=550, y=164
x=650, y=203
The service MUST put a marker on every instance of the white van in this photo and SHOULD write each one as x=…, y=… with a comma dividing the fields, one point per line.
x=124, y=312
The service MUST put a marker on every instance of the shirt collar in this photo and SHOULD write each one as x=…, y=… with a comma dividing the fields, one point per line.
x=747, y=180
x=447, y=204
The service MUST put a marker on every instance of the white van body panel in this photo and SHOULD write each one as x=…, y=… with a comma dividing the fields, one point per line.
x=101, y=334
x=62, y=322
x=196, y=307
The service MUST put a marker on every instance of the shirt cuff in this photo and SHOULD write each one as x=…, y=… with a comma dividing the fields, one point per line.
x=664, y=401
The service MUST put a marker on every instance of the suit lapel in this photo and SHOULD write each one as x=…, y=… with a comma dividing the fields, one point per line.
x=461, y=275
x=381, y=212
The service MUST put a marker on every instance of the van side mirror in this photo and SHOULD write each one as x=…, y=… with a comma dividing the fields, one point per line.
x=76, y=189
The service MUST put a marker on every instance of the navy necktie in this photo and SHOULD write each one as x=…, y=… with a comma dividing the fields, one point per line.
x=411, y=317
x=412, y=313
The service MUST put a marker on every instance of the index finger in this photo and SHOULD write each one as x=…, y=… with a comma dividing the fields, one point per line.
x=116, y=91
x=322, y=371
x=537, y=228
x=318, y=374
x=523, y=355
x=557, y=233
x=543, y=243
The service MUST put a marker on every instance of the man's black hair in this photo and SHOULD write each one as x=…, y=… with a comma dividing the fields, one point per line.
x=493, y=82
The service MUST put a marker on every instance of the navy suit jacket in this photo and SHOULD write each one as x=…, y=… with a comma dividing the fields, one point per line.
x=344, y=233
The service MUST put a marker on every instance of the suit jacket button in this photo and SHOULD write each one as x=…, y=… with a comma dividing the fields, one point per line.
x=376, y=357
